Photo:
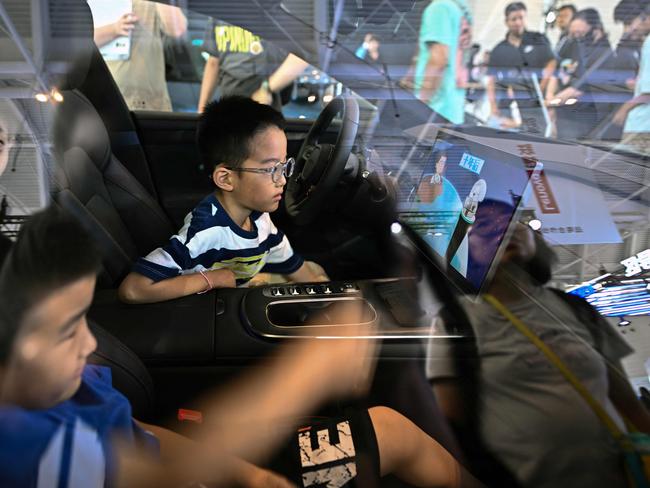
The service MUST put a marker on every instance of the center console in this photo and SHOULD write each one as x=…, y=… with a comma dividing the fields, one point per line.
x=396, y=308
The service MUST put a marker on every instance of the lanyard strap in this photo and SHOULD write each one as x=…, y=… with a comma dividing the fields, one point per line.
x=557, y=362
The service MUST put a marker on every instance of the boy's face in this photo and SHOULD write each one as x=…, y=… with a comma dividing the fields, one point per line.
x=51, y=349
x=255, y=191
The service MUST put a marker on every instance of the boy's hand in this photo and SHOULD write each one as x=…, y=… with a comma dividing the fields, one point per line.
x=344, y=364
x=222, y=278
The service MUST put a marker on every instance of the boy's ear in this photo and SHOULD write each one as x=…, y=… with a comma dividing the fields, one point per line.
x=223, y=178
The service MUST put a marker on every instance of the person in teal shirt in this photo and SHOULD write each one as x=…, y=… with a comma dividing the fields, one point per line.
x=440, y=73
x=635, y=113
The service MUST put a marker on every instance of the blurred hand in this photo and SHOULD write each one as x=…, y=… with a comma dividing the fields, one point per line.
x=262, y=95
x=263, y=478
x=260, y=279
x=569, y=94
x=125, y=24
x=345, y=363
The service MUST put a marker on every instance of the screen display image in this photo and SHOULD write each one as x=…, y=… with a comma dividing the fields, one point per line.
x=461, y=200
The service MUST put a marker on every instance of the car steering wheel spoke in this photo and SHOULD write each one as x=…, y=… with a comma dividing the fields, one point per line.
x=321, y=165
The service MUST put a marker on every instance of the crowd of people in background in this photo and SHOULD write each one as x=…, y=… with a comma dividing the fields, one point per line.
x=581, y=87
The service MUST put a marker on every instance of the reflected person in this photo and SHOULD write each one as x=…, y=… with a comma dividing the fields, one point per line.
x=530, y=417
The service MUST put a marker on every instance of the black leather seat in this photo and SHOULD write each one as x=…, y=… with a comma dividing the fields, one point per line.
x=90, y=181
x=130, y=376
x=126, y=220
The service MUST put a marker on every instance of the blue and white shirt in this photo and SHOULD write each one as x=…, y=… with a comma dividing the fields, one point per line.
x=209, y=239
x=68, y=445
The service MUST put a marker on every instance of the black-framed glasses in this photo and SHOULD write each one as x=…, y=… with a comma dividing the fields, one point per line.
x=284, y=168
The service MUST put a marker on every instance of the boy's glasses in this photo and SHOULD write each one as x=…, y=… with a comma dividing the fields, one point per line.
x=284, y=168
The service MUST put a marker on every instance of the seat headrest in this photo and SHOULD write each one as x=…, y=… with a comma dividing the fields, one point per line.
x=77, y=124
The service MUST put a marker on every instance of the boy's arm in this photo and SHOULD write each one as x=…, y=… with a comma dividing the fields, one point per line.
x=254, y=415
x=243, y=418
x=305, y=274
x=184, y=462
x=137, y=288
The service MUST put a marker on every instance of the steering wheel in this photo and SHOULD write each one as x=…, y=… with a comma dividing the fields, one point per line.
x=319, y=166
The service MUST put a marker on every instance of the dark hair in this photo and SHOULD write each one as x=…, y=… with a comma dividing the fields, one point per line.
x=569, y=6
x=591, y=17
x=226, y=128
x=627, y=10
x=514, y=7
x=540, y=267
x=52, y=250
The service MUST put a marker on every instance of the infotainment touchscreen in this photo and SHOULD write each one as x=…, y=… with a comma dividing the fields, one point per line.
x=461, y=199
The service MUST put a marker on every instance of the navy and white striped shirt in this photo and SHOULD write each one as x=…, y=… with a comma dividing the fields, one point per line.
x=209, y=239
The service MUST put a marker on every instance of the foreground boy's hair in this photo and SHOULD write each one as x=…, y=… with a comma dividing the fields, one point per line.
x=47, y=258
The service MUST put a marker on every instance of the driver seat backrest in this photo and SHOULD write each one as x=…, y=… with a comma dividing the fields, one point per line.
x=107, y=199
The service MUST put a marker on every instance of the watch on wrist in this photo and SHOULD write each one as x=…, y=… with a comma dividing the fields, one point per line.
x=265, y=85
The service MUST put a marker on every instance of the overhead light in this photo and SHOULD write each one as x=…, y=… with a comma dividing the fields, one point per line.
x=437, y=234
x=623, y=322
x=56, y=95
x=571, y=101
x=311, y=98
x=535, y=224
x=395, y=228
x=550, y=17
x=327, y=98
x=555, y=102
x=42, y=97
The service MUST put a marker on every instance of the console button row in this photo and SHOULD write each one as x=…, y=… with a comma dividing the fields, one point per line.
x=313, y=290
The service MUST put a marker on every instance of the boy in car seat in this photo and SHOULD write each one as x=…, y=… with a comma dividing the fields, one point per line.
x=63, y=424
x=229, y=237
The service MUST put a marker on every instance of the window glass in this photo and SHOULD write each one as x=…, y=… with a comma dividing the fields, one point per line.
x=171, y=59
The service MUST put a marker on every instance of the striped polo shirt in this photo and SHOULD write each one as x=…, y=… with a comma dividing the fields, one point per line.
x=209, y=239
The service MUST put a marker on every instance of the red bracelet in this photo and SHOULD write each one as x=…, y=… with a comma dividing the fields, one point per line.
x=210, y=287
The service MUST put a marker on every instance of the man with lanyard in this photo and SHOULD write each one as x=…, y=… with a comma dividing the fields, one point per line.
x=513, y=64
x=440, y=73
